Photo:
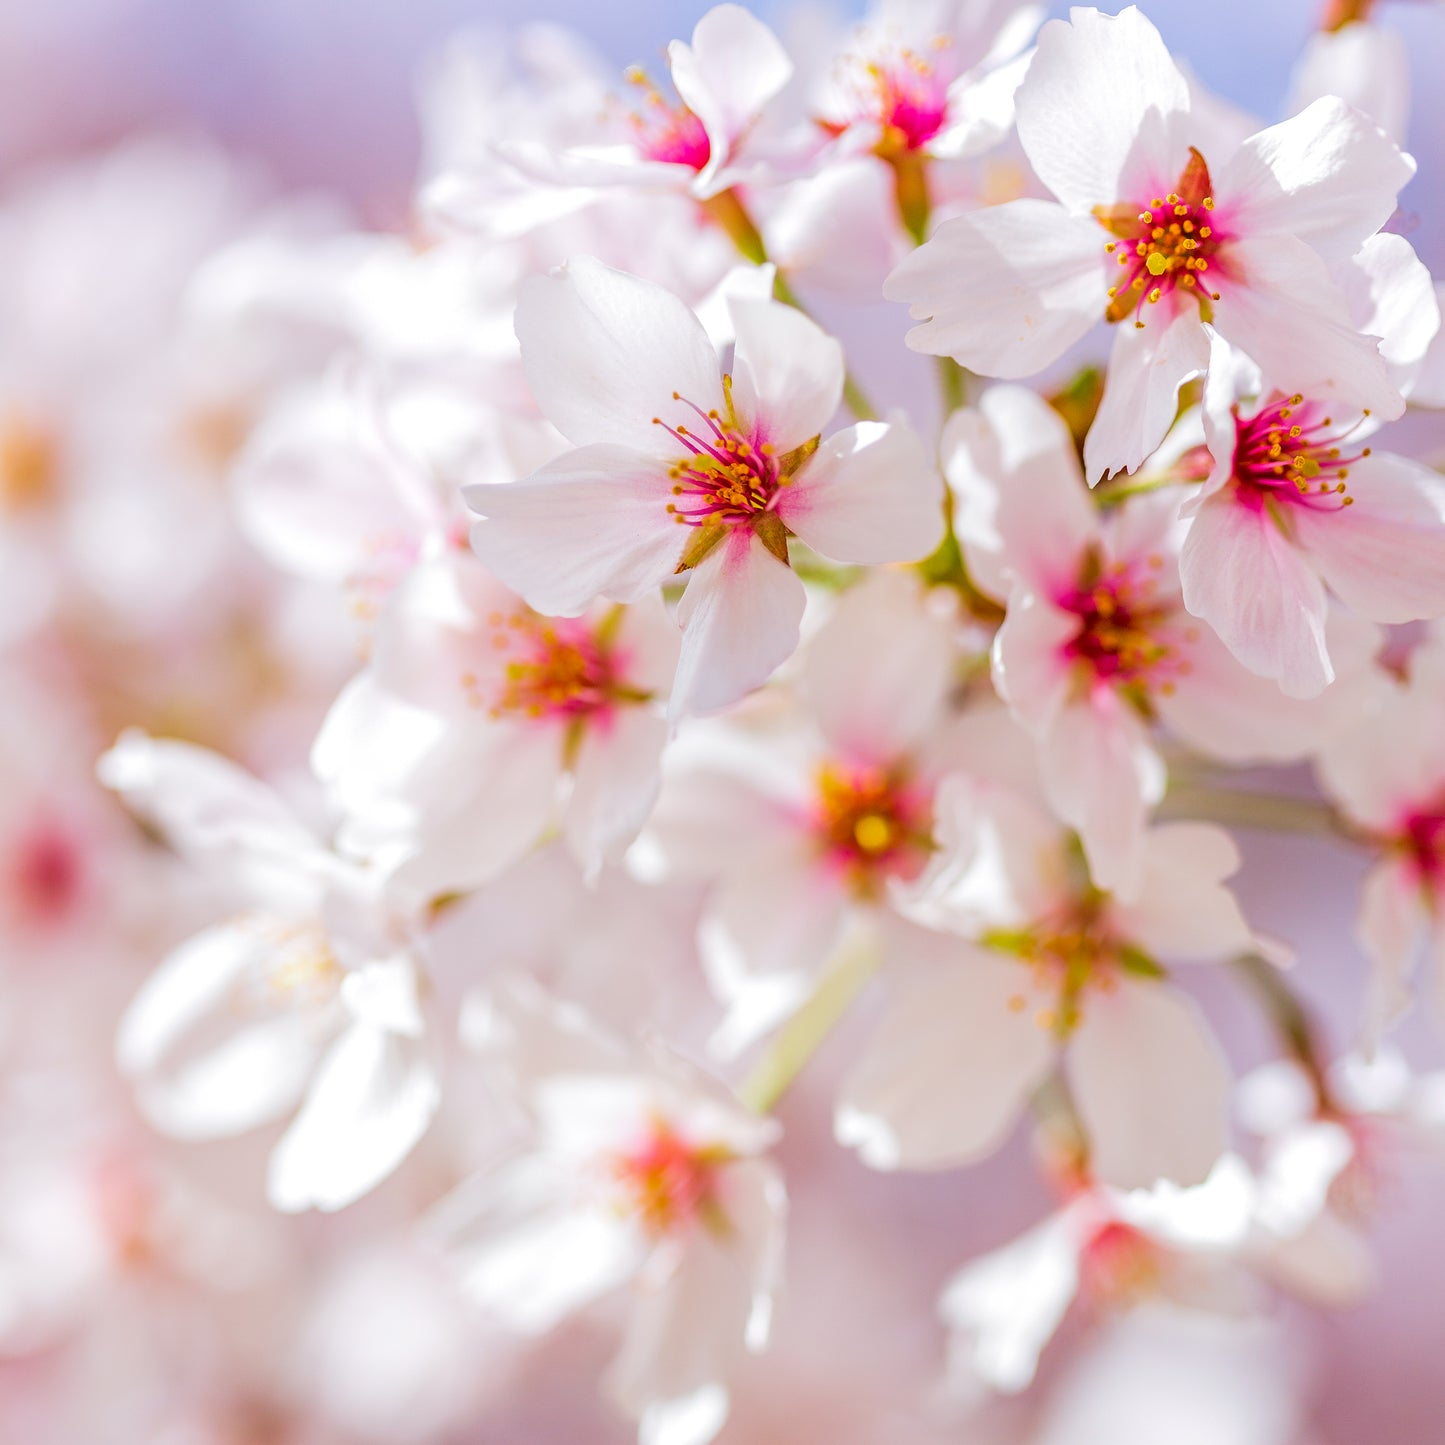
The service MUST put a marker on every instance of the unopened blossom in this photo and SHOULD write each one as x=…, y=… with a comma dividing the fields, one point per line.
x=1054, y=973
x=1387, y=776
x=807, y=830
x=680, y=469
x=1096, y=647
x=638, y=1172
x=1298, y=501
x=479, y=724
x=311, y=996
x=1157, y=233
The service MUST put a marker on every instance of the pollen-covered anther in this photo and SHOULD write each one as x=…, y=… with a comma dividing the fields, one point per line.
x=724, y=477
x=1169, y=242
x=1290, y=450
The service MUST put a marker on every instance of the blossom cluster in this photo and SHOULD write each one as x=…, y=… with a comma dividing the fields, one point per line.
x=500, y=725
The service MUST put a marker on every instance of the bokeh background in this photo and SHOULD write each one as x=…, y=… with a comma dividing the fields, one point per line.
x=321, y=93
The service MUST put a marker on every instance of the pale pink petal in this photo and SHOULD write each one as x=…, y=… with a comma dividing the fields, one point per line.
x=205, y=1062
x=605, y=352
x=1368, y=66
x=1281, y=306
x=787, y=373
x=740, y=617
x=690, y=1332
x=1389, y=928
x=1141, y=398
x=1151, y=1085
x=949, y=1069
x=1183, y=911
x=1103, y=776
x=1429, y=388
x=594, y=523
x=870, y=494
x=1384, y=556
x=1004, y=291
x=1004, y=1307
x=1021, y=509
x=1392, y=296
x=881, y=629
x=1031, y=670
x=733, y=68
x=614, y=784
x=1328, y=175
x=1244, y=578
x=371, y=1100
x=1102, y=109
x=1391, y=760
x=527, y=1250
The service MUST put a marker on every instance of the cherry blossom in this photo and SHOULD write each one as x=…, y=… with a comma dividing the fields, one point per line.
x=1193, y=241
x=666, y=440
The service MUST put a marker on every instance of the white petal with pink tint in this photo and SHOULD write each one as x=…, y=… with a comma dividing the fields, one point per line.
x=1005, y=291
x=787, y=372
x=1384, y=556
x=949, y=1069
x=1101, y=112
x=1021, y=511
x=870, y=494
x=1030, y=668
x=1141, y=398
x=1241, y=574
x=605, y=352
x=1368, y=66
x=614, y=785
x=882, y=629
x=594, y=523
x=1151, y=1085
x=1389, y=926
x=740, y=617
x=1329, y=176
x=1102, y=776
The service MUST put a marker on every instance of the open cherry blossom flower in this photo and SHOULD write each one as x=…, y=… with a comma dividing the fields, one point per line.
x=1387, y=775
x=680, y=468
x=639, y=1170
x=706, y=143
x=1210, y=1247
x=1055, y=973
x=1295, y=503
x=479, y=723
x=929, y=80
x=1157, y=233
x=808, y=830
x=312, y=996
x=1097, y=647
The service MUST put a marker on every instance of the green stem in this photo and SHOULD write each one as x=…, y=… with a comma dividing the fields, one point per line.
x=804, y=1033
x=953, y=383
x=1290, y=1018
x=1110, y=495
x=1271, y=812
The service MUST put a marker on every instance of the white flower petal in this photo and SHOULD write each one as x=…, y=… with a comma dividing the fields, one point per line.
x=870, y=494
x=1243, y=577
x=740, y=618
x=1151, y=1085
x=787, y=374
x=594, y=523
x=614, y=785
x=1102, y=109
x=949, y=1069
x=371, y=1100
x=605, y=352
x=1005, y=291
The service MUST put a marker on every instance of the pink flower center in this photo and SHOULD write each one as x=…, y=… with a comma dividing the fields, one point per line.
x=47, y=875
x=1122, y=637
x=1164, y=247
x=898, y=90
x=1422, y=839
x=1120, y=1265
x=1291, y=452
x=666, y=1183
x=668, y=133
x=553, y=668
x=871, y=825
x=725, y=477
